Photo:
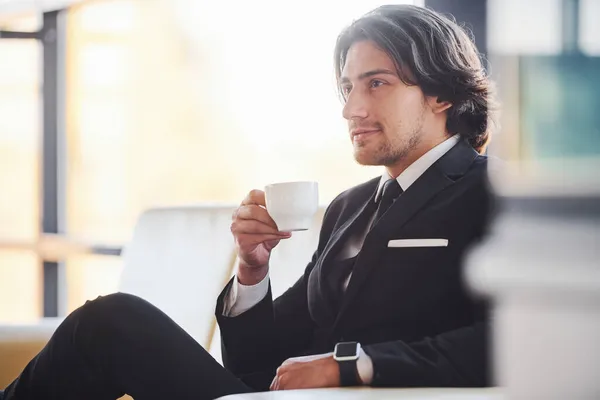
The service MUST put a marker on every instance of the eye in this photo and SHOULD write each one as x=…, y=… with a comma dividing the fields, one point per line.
x=375, y=83
x=346, y=90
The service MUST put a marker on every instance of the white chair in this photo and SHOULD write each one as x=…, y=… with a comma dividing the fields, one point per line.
x=178, y=259
x=290, y=257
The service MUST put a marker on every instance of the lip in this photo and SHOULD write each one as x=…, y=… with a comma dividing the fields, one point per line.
x=359, y=134
x=362, y=131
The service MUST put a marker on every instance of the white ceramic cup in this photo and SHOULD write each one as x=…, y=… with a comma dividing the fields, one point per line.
x=292, y=205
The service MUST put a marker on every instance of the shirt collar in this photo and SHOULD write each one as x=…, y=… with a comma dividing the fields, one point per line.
x=417, y=168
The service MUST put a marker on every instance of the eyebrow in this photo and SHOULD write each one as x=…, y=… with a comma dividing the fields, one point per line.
x=364, y=75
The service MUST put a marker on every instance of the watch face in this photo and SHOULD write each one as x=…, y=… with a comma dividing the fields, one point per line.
x=346, y=349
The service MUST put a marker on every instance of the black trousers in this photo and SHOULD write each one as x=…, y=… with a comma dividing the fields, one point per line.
x=120, y=344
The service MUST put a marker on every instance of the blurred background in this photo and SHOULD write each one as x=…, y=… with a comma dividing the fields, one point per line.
x=109, y=107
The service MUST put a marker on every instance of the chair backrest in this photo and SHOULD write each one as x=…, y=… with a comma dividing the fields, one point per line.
x=290, y=257
x=179, y=259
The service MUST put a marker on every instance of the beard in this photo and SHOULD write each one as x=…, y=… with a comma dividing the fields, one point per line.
x=390, y=152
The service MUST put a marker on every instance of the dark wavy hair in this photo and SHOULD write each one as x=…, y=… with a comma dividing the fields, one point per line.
x=433, y=52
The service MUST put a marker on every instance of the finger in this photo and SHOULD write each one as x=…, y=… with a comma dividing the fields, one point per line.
x=255, y=197
x=249, y=239
x=278, y=383
x=254, y=212
x=249, y=244
x=252, y=227
x=281, y=382
x=273, y=385
x=270, y=244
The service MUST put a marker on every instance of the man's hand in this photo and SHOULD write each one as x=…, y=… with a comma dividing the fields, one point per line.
x=255, y=235
x=307, y=372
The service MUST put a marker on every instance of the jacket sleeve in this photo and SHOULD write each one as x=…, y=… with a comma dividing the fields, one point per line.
x=257, y=341
x=456, y=358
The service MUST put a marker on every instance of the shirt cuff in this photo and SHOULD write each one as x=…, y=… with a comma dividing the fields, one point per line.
x=364, y=365
x=241, y=298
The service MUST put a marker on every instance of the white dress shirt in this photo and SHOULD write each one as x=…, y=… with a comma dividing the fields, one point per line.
x=241, y=298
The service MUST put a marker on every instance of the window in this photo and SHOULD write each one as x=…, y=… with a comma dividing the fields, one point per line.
x=524, y=27
x=20, y=288
x=589, y=29
x=545, y=60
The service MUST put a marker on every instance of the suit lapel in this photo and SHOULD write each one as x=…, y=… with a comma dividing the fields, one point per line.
x=439, y=176
x=327, y=309
x=340, y=237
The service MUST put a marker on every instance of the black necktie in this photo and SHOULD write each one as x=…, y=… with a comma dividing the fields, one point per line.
x=391, y=191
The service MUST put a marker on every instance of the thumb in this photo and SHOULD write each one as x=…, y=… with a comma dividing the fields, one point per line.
x=270, y=244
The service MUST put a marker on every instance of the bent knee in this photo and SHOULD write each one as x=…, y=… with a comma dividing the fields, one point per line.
x=114, y=305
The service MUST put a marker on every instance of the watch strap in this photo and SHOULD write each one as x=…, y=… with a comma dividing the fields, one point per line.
x=348, y=373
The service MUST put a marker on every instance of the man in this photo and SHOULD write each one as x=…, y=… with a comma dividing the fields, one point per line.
x=384, y=284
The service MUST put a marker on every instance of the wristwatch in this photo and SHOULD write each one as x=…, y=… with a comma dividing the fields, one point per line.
x=346, y=354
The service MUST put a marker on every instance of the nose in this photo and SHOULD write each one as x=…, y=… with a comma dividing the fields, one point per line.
x=355, y=107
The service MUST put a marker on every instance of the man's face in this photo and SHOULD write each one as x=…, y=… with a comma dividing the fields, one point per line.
x=386, y=117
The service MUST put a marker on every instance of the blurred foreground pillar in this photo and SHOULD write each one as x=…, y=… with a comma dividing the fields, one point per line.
x=540, y=268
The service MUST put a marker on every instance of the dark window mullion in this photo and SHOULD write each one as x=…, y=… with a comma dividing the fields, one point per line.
x=51, y=138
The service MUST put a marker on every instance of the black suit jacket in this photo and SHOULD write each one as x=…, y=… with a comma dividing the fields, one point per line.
x=408, y=307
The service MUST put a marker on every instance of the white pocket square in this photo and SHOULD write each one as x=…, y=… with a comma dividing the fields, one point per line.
x=418, y=243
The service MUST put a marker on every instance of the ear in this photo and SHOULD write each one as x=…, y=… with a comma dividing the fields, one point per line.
x=438, y=105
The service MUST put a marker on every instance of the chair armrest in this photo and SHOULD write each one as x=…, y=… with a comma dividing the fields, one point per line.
x=19, y=343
